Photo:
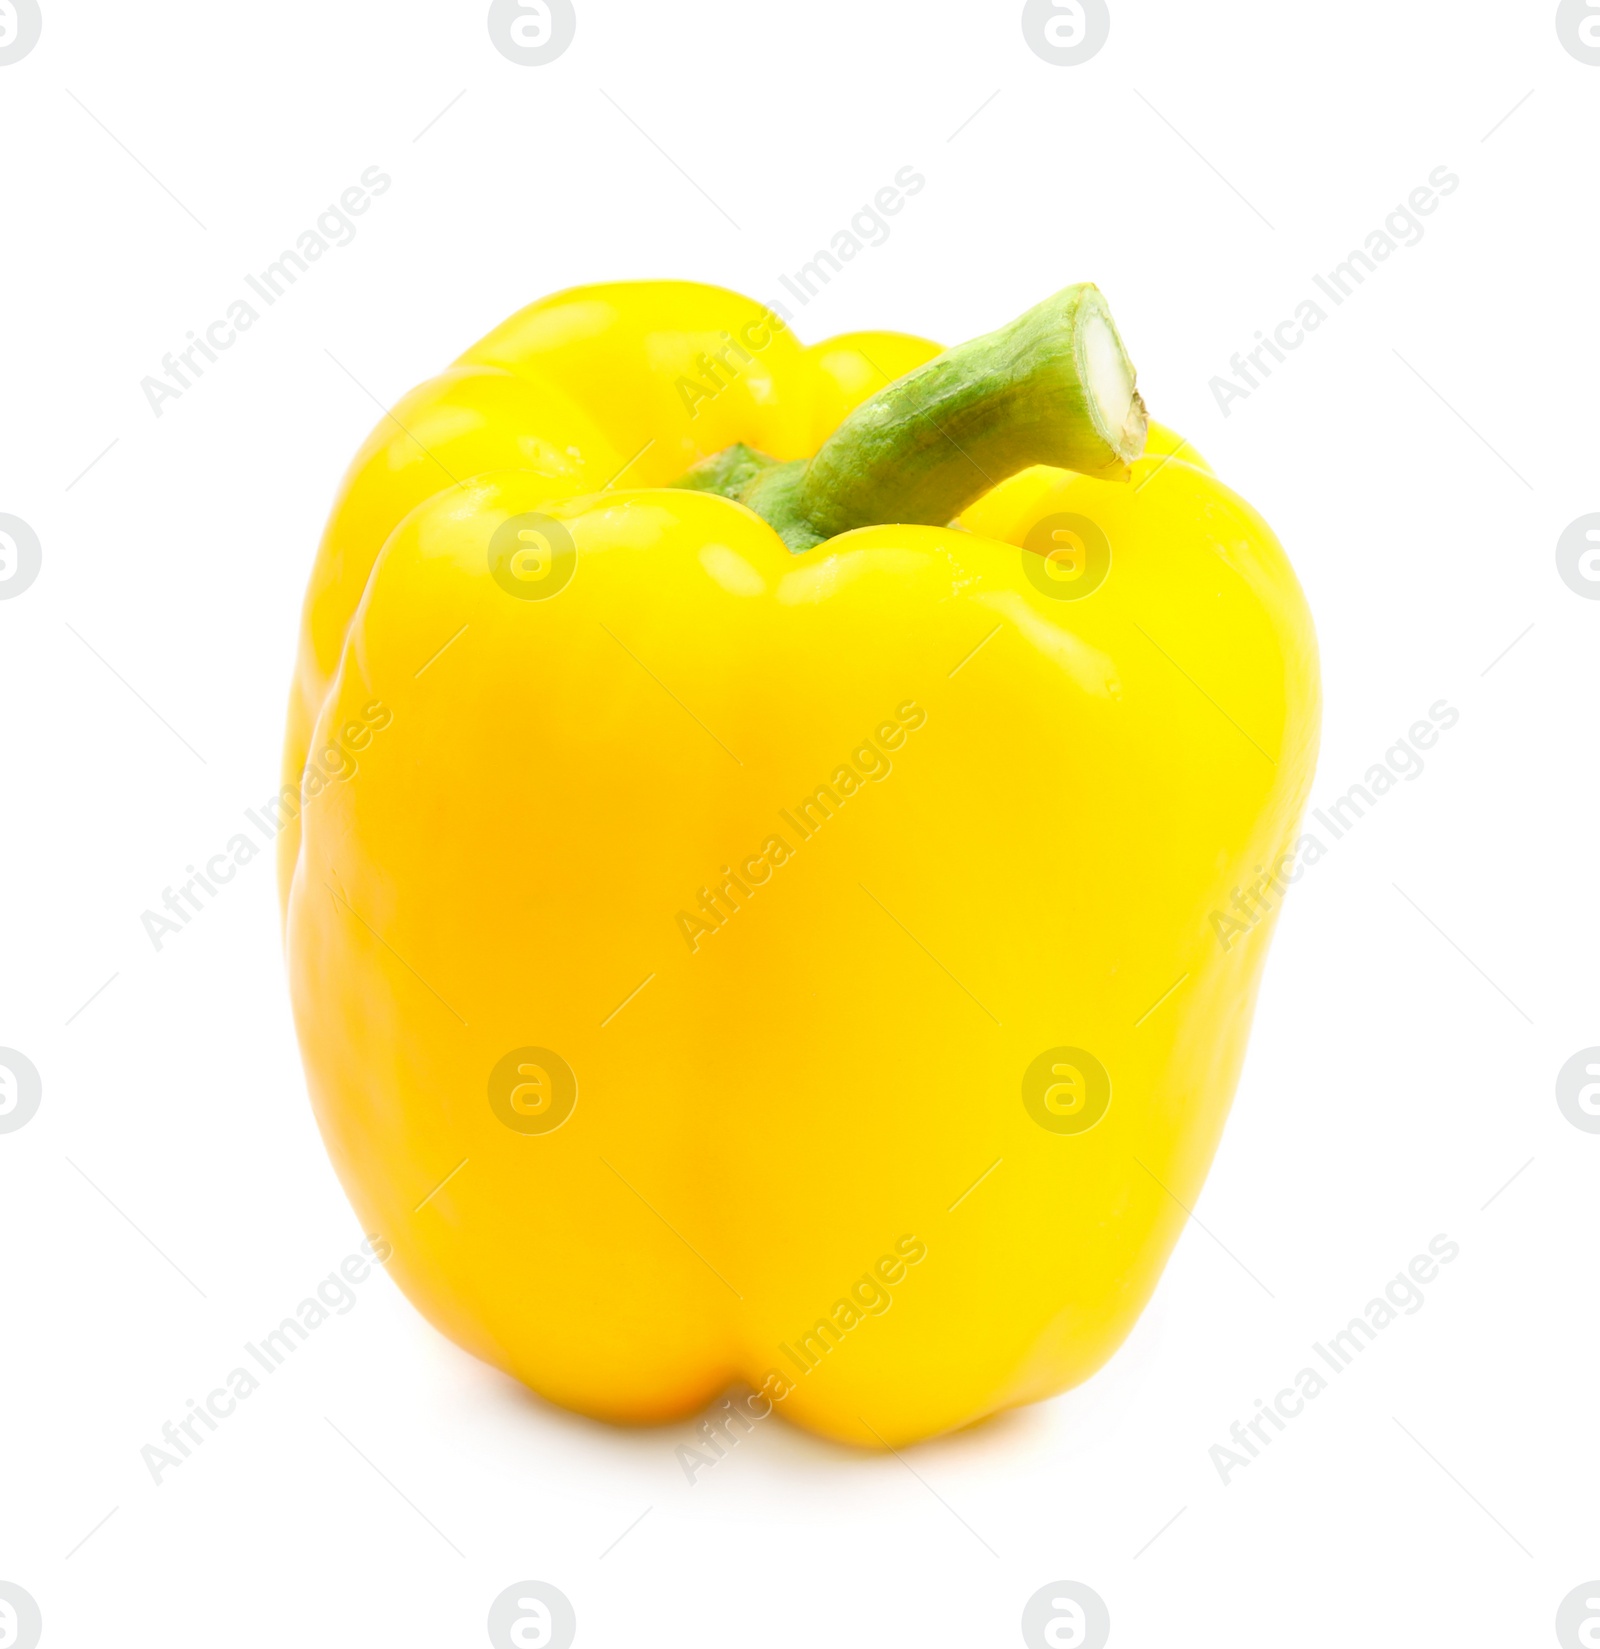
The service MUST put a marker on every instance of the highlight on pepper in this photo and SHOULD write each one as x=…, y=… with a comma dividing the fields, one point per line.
x=769, y=948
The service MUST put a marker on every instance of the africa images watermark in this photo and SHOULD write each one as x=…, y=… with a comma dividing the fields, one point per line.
x=336, y=761
x=335, y=1294
x=753, y=337
x=720, y=903
x=1402, y=227
x=868, y=227
x=334, y=227
x=869, y=1296
x=1402, y=760
x=716, y=369
x=1402, y=1294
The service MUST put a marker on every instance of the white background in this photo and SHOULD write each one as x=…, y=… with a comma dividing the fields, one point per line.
x=1441, y=1490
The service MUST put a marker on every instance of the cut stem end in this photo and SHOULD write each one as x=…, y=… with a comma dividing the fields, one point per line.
x=1054, y=387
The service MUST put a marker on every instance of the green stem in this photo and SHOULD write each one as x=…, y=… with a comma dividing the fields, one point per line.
x=1054, y=387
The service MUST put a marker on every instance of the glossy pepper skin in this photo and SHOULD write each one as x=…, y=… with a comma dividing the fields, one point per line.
x=812, y=1146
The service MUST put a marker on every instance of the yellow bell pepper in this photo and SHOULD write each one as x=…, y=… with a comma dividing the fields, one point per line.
x=774, y=936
